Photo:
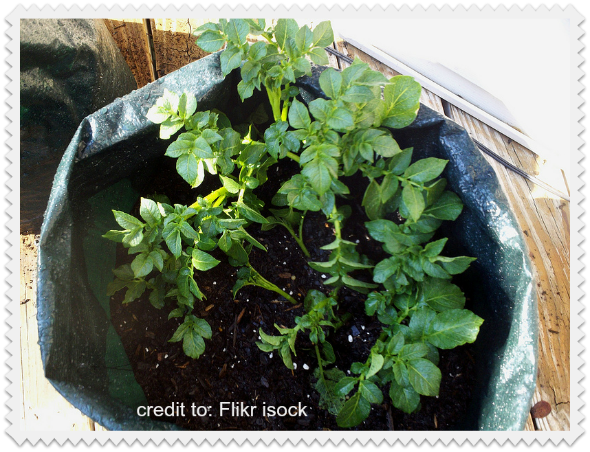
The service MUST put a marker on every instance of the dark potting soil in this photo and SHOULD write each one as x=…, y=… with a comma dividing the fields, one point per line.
x=234, y=373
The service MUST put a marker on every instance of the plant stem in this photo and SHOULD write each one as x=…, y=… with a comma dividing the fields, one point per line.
x=261, y=281
x=299, y=239
x=293, y=156
x=275, y=102
x=337, y=224
x=285, y=106
x=317, y=353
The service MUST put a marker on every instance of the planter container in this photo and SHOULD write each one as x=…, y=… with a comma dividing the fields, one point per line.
x=115, y=152
x=69, y=68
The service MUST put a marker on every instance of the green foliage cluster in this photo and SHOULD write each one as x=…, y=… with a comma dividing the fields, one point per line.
x=410, y=291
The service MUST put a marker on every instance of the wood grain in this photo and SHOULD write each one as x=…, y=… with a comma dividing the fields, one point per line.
x=174, y=43
x=131, y=38
x=544, y=220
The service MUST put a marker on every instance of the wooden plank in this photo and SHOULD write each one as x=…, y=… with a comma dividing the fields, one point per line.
x=43, y=408
x=174, y=43
x=544, y=220
x=131, y=38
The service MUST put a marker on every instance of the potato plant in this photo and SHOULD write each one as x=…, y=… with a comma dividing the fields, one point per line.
x=346, y=133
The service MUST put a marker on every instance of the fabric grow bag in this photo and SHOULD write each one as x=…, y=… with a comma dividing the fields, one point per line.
x=113, y=154
x=69, y=68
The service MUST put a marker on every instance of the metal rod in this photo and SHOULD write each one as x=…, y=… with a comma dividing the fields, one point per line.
x=519, y=171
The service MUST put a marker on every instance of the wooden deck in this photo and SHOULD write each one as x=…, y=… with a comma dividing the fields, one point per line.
x=155, y=47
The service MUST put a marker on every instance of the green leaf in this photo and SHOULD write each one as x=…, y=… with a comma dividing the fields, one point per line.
x=400, y=373
x=149, y=211
x=452, y=328
x=188, y=231
x=331, y=83
x=237, y=31
x=187, y=105
x=414, y=201
x=386, y=146
x=357, y=94
x=434, y=270
x=174, y=243
x=285, y=29
x=413, y=351
x=257, y=50
x=345, y=385
x=318, y=56
x=170, y=127
x=134, y=237
x=388, y=187
x=424, y=376
x=370, y=392
x=230, y=185
x=157, y=259
x=115, y=236
x=193, y=344
x=448, y=207
x=211, y=41
x=272, y=340
x=303, y=39
x=127, y=221
x=340, y=119
x=298, y=115
x=190, y=169
x=319, y=173
x=425, y=170
x=419, y=323
x=400, y=162
x=356, y=284
x=455, y=265
x=116, y=285
x=245, y=89
x=142, y=265
x=225, y=241
x=323, y=35
x=250, y=213
x=134, y=291
x=402, y=97
x=441, y=295
x=376, y=365
x=372, y=200
x=404, y=397
x=385, y=269
x=355, y=410
x=203, y=261
x=124, y=272
x=285, y=353
x=230, y=59
x=434, y=248
x=200, y=326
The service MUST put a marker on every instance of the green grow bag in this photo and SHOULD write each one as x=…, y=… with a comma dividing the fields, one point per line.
x=113, y=154
x=69, y=68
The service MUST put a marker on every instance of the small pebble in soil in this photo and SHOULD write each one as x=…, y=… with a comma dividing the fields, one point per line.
x=294, y=365
x=363, y=327
x=354, y=330
x=349, y=338
x=323, y=276
x=306, y=367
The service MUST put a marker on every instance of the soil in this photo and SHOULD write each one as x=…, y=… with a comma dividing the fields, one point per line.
x=235, y=371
